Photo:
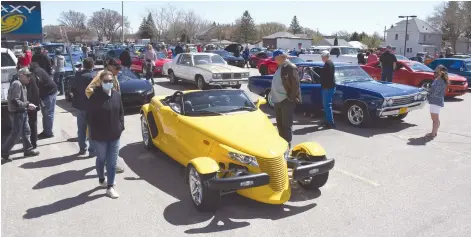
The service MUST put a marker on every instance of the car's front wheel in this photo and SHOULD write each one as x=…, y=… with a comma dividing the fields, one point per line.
x=315, y=182
x=252, y=64
x=200, y=83
x=172, y=78
x=269, y=98
x=237, y=86
x=357, y=115
x=204, y=198
x=146, y=137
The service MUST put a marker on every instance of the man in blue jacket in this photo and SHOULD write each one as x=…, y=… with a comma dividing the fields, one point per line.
x=80, y=101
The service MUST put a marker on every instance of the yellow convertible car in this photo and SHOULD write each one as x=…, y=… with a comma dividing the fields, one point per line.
x=227, y=144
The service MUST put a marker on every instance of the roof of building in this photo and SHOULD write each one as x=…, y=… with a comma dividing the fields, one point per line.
x=422, y=26
x=283, y=35
x=341, y=42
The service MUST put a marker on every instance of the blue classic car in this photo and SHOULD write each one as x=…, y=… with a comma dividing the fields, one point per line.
x=457, y=66
x=230, y=58
x=360, y=98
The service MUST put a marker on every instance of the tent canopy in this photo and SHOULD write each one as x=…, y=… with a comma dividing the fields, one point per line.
x=358, y=45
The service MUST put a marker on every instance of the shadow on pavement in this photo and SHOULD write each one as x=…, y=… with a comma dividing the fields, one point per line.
x=67, y=106
x=53, y=161
x=66, y=177
x=167, y=175
x=453, y=99
x=180, y=86
x=62, y=205
x=379, y=126
x=419, y=141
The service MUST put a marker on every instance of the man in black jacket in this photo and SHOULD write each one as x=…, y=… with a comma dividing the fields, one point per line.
x=33, y=97
x=328, y=88
x=125, y=58
x=47, y=94
x=43, y=60
x=178, y=49
x=80, y=101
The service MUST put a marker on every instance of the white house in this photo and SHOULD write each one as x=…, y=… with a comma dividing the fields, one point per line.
x=286, y=40
x=421, y=37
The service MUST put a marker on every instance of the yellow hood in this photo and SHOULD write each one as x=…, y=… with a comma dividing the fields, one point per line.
x=221, y=68
x=248, y=132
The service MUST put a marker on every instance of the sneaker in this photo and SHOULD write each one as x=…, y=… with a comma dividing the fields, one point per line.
x=82, y=152
x=119, y=170
x=30, y=153
x=6, y=157
x=111, y=192
x=103, y=184
x=44, y=136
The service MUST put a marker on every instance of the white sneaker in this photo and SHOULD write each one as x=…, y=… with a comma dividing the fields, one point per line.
x=105, y=184
x=111, y=192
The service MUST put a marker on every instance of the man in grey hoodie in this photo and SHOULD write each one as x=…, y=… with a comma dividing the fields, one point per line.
x=17, y=108
x=59, y=68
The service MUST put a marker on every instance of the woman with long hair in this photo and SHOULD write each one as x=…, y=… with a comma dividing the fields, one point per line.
x=436, y=97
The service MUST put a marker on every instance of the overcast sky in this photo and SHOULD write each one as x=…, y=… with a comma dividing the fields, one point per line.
x=328, y=17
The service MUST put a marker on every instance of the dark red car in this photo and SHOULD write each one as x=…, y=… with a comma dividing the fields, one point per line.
x=417, y=74
x=268, y=66
x=138, y=63
x=255, y=58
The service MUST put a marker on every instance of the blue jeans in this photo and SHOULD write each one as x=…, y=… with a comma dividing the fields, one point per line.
x=327, y=95
x=82, y=131
x=107, y=153
x=19, y=128
x=48, y=113
x=59, y=79
x=387, y=74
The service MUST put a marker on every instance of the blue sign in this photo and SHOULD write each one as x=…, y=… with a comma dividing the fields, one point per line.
x=21, y=19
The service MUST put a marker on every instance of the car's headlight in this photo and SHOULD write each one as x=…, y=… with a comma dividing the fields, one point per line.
x=287, y=152
x=149, y=91
x=217, y=76
x=245, y=159
x=388, y=102
x=416, y=97
x=245, y=74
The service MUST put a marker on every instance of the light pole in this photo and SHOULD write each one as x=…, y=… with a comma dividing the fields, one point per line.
x=103, y=28
x=405, y=37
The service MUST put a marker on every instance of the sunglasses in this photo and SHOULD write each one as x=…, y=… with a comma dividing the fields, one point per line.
x=107, y=81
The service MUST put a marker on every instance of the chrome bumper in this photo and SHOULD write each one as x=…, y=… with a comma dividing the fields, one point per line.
x=388, y=111
x=229, y=82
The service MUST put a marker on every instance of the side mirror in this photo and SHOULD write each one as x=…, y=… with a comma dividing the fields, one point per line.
x=260, y=102
x=461, y=69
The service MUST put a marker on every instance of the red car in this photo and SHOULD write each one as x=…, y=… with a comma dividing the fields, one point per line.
x=417, y=74
x=255, y=58
x=268, y=66
x=138, y=63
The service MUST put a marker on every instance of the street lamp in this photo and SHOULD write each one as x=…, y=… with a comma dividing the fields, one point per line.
x=405, y=37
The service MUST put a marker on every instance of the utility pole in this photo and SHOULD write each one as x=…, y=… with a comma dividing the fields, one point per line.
x=122, y=22
x=384, y=34
x=405, y=36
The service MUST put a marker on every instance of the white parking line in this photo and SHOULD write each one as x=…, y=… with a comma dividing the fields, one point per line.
x=365, y=180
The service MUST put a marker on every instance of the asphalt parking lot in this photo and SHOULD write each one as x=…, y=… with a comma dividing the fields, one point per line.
x=388, y=181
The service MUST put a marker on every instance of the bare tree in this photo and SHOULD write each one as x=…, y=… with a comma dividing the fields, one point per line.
x=161, y=22
x=448, y=17
x=107, y=23
x=75, y=20
x=269, y=28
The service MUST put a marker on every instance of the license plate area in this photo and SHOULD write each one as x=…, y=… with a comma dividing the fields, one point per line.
x=403, y=110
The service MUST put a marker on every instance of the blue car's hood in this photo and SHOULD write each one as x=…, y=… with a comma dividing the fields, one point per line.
x=134, y=86
x=386, y=89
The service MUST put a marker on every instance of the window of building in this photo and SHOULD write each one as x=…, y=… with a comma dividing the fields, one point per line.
x=409, y=50
x=425, y=37
x=396, y=37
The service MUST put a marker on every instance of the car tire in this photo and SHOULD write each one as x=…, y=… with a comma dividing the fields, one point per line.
x=269, y=98
x=251, y=63
x=204, y=199
x=315, y=182
x=263, y=70
x=398, y=117
x=357, y=114
x=200, y=83
x=237, y=87
x=146, y=136
x=172, y=78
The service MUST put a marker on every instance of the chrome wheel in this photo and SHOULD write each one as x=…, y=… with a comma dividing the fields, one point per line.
x=171, y=77
x=200, y=83
x=145, y=131
x=356, y=114
x=196, y=189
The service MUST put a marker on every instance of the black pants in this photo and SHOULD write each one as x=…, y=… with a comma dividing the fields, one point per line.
x=33, y=125
x=284, y=113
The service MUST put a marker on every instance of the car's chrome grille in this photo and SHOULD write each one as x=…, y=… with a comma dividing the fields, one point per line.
x=403, y=100
x=277, y=170
x=226, y=75
x=237, y=76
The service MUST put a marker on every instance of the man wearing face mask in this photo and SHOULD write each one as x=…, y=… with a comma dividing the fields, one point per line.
x=105, y=118
x=113, y=67
x=17, y=108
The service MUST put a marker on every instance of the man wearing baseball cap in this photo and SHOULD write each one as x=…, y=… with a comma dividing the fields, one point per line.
x=17, y=108
x=328, y=88
x=285, y=92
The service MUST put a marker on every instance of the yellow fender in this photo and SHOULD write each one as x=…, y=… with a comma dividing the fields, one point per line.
x=311, y=148
x=205, y=165
x=145, y=109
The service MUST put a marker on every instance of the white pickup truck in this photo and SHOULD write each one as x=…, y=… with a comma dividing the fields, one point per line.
x=337, y=54
x=9, y=62
x=204, y=69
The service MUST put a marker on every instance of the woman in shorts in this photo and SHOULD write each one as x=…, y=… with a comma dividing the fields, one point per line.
x=436, y=97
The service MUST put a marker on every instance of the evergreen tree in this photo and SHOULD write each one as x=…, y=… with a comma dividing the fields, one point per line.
x=143, y=32
x=247, y=32
x=355, y=37
x=294, y=27
x=151, y=26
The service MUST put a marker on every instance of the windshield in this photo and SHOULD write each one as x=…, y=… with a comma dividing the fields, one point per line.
x=468, y=65
x=419, y=67
x=351, y=74
x=400, y=57
x=54, y=48
x=207, y=59
x=216, y=102
x=296, y=60
x=349, y=51
x=126, y=74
